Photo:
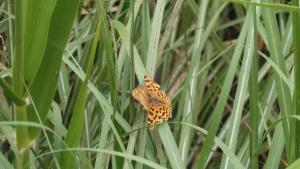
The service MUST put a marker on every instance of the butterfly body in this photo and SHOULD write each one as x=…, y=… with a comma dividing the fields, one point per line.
x=155, y=101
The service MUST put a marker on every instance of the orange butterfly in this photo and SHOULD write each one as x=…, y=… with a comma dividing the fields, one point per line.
x=156, y=102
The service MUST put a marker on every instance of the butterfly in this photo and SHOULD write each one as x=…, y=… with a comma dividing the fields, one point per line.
x=155, y=101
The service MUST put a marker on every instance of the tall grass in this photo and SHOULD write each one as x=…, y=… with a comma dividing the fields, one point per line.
x=230, y=68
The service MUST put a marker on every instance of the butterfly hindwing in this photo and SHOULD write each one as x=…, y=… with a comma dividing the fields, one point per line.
x=158, y=113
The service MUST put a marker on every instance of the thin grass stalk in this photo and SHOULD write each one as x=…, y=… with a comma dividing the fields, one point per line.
x=133, y=136
x=142, y=138
x=192, y=81
x=284, y=97
x=10, y=31
x=169, y=28
x=152, y=59
x=22, y=155
x=254, y=102
x=145, y=29
x=296, y=39
x=108, y=48
x=131, y=53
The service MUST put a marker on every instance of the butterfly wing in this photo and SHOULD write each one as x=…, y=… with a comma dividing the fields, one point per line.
x=158, y=113
x=154, y=91
x=140, y=94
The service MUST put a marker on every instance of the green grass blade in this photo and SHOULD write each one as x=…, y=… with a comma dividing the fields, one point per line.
x=140, y=69
x=124, y=155
x=276, y=148
x=278, y=71
x=170, y=146
x=242, y=88
x=4, y=163
x=284, y=97
x=38, y=17
x=190, y=88
x=105, y=105
x=202, y=54
x=145, y=29
x=75, y=128
x=269, y=5
x=232, y=157
x=44, y=86
x=151, y=65
x=169, y=28
x=154, y=37
x=296, y=42
x=100, y=159
x=294, y=165
x=22, y=136
x=218, y=110
x=11, y=94
x=254, y=101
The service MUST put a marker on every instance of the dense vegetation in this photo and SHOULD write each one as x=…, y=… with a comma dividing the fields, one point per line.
x=230, y=68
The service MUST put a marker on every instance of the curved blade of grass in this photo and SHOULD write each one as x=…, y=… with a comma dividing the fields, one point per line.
x=125, y=155
x=269, y=5
x=26, y=123
x=11, y=94
x=277, y=69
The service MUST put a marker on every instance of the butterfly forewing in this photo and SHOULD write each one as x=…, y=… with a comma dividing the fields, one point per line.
x=140, y=94
x=154, y=91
